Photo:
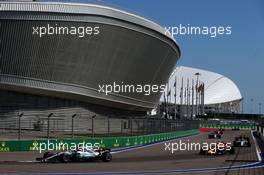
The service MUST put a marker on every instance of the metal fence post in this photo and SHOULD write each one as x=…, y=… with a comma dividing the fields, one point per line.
x=149, y=125
x=48, y=129
x=131, y=122
x=142, y=129
x=108, y=126
x=19, y=125
x=160, y=125
x=153, y=128
x=146, y=126
x=72, y=129
x=164, y=123
x=93, y=125
x=121, y=126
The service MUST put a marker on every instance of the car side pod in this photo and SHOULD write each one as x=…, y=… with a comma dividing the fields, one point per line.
x=45, y=156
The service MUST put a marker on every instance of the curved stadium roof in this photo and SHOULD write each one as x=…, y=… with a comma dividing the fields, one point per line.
x=80, y=7
x=218, y=88
x=71, y=68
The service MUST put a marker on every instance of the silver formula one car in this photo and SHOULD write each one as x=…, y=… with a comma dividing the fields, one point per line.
x=242, y=141
x=84, y=155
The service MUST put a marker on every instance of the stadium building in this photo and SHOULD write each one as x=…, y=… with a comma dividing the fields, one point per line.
x=55, y=55
x=199, y=92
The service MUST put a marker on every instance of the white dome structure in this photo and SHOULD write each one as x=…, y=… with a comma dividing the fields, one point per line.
x=219, y=91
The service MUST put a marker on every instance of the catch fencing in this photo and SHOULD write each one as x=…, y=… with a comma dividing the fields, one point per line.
x=65, y=123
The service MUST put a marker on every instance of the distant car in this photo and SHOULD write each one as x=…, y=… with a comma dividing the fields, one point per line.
x=215, y=135
x=242, y=141
x=221, y=131
x=236, y=129
x=84, y=155
x=221, y=148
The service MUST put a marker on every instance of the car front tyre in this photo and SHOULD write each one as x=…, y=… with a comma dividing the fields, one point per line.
x=47, y=155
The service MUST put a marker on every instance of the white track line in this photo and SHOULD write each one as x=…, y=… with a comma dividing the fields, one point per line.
x=257, y=147
x=151, y=144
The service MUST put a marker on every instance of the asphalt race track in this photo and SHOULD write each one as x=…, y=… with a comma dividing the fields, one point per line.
x=152, y=159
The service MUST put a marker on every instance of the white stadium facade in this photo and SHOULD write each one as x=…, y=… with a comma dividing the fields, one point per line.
x=199, y=92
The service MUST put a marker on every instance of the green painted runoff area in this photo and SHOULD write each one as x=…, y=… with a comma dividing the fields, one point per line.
x=227, y=126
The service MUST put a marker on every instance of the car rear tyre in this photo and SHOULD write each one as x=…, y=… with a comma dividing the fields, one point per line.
x=65, y=158
x=106, y=157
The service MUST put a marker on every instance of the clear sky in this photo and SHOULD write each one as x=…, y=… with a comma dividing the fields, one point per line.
x=239, y=56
